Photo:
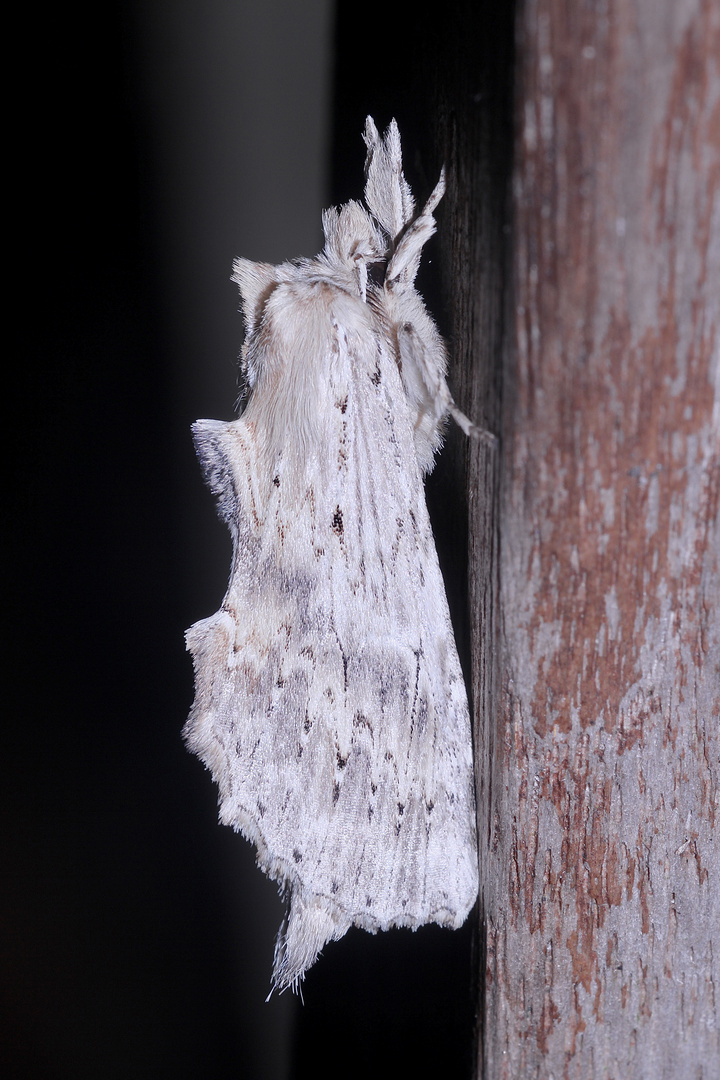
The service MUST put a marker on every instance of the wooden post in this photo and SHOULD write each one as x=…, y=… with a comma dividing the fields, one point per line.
x=599, y=767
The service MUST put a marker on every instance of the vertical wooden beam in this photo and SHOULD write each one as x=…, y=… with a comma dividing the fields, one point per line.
x=601, y=885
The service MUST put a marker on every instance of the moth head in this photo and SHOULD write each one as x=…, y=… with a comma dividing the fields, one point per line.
x=353, y=242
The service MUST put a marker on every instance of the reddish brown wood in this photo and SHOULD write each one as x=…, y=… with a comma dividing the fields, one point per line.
x=599, y=773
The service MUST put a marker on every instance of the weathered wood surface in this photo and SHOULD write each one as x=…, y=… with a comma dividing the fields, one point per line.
x=599, y=771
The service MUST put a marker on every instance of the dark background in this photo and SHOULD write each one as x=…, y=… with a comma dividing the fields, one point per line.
x=152, y=144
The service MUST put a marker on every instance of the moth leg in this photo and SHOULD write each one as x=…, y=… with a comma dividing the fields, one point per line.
x=470, y=429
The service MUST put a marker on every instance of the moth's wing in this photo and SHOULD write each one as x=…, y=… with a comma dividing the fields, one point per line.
x=330, y=702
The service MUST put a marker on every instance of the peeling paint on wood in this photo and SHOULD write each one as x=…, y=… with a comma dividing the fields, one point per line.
x=599, y=812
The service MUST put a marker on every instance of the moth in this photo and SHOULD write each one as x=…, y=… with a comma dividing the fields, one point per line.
x=330, y=706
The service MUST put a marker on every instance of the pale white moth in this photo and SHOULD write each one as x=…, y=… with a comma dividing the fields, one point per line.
x=330, y=705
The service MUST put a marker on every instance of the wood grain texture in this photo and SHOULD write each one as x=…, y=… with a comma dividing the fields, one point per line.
x=473, y=130
x=601, y=870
